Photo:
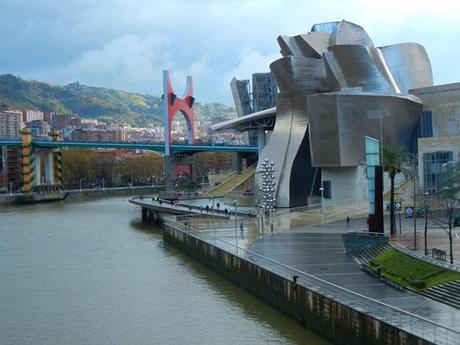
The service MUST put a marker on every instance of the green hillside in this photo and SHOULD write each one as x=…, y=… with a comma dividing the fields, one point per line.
x=94, y=102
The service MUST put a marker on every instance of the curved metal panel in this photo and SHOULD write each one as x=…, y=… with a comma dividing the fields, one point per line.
x=288, y=46
x=409, y=64
x=356, y=66
x=350, y=33
x=339, y=122
x=313, y=44
x=283, y=147
x=299, y=73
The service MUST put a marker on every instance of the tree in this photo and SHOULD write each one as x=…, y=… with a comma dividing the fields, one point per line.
x=448, y=192
x=394, y=159
x=427, y=202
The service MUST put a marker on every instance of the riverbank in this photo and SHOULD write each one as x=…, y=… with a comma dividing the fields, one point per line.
x=94, y=193
x=342, y=316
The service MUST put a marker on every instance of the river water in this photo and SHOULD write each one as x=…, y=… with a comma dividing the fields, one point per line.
x=91, y=273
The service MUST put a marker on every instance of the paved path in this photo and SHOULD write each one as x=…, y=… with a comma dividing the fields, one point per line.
x=323, y=255
x=180, y=208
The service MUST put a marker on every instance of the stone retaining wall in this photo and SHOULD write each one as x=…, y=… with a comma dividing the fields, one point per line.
x=336, y=322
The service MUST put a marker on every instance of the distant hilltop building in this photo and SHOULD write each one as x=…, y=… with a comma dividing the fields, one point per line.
x=334, y=88
x=31, y=115
x=10, y=122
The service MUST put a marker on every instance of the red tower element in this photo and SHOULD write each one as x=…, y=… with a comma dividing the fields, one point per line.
x=173, y=104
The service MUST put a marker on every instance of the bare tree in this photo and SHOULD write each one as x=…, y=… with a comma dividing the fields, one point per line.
x=448, y=193
x=427, y=203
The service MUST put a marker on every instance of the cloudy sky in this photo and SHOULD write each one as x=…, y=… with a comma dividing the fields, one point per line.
x=125, y=44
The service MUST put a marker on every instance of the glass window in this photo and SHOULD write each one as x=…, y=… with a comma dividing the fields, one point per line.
x=432, y=168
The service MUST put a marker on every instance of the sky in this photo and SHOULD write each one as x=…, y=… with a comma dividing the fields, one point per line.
x=125, y=44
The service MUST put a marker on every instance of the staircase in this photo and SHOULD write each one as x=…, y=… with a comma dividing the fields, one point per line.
x=230, y=183
x=445, y=293
x=363, y=257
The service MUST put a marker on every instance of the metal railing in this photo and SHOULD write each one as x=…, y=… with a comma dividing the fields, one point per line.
x=455, y=267
x=406, y=321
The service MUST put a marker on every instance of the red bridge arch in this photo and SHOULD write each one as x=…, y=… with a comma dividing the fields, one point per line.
x=173, y=104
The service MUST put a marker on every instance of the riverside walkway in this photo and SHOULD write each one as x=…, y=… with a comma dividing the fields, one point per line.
x=179, y=208
x=322, y=255
x=318, y=262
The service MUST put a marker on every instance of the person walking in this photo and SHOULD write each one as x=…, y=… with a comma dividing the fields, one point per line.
x=348, y=221
x=241, y=227
x=271, y=227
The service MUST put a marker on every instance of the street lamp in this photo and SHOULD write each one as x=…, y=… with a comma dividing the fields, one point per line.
x=427, y=203
x=236, y=225
x=322, y=198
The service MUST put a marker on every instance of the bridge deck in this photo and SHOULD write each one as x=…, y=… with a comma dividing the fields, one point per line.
x=159, y=147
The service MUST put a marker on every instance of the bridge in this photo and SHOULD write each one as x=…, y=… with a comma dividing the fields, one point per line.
x=158, y=147
x=155, y=211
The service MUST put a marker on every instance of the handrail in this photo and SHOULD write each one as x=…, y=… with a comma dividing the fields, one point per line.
x=359, y=301
x=445, y=265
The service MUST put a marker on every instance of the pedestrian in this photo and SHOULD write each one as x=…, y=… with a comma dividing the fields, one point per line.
x=241, y=227
x=271, y=227
x=218, y=206
x=207, y=209
x=348, y=221
x=226, y=211
x=160, y=202
x=141, y=197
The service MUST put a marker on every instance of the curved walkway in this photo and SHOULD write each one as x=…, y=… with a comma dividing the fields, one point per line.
x=322, y=255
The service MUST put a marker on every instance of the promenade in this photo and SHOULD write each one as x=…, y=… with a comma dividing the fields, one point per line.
x=317, y=250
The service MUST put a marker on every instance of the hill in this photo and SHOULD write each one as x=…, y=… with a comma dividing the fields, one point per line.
x=95, y=102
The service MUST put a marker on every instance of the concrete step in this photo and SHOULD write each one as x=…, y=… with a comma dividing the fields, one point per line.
x=436, y=298
x=442, y=294
x=447, y=290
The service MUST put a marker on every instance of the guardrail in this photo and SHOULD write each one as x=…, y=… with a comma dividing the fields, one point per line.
x=411, y=323
x=198, y=208
x=430, y=260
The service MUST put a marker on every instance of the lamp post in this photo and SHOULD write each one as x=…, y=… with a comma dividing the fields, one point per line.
x=426, y=205
x=236, y=224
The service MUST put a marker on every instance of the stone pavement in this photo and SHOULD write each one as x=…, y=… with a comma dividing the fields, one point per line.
x=322, y=255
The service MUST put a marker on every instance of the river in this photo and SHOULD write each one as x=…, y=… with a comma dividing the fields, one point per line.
x=91, y=273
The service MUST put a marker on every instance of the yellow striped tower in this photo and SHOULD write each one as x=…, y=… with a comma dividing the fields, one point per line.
x=57, y=155
x=28, y=177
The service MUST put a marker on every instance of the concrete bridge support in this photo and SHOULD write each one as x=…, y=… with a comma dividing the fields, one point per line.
x=150, y=216
x=175, y=165
x=40, y=166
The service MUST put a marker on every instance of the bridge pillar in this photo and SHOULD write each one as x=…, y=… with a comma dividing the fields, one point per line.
x=238, y=162
x=38, y=167
x=173, y=104
x=49, y=168
x=169, y=165
x=27, y=161
x=57, y=160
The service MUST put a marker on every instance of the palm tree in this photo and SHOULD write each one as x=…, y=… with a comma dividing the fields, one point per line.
x=394, y=159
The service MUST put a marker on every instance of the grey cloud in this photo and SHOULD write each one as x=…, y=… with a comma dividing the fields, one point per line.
x=125, y=44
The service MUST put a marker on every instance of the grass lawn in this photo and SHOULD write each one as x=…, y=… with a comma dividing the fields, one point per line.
x=411, y=272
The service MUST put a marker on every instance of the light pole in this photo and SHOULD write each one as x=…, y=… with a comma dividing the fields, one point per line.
x=426, y=205
x=236, y=224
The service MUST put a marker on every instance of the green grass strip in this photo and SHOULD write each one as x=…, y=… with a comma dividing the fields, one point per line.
x=411, y=272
